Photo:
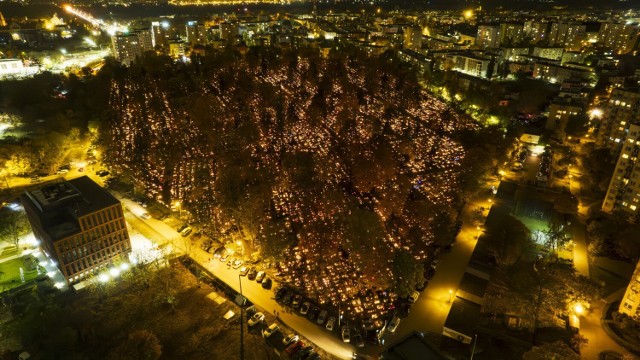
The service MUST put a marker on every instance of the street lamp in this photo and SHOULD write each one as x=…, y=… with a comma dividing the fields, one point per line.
x=450, y=295
x=178, y=204
x=478, y=234
x=239, y=243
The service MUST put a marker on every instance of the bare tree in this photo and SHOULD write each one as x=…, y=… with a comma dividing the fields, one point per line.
x=13, y=225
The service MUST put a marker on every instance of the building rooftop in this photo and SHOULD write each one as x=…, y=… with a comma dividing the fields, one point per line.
x=463, y=316
x=411, y=347
x=58, y=205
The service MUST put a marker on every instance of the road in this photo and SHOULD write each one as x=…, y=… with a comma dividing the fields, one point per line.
x=162, y=234
x=429, y=313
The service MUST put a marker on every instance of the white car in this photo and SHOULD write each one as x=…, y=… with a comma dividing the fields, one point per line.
x=330, y=323
x=304, y=309
x=346, y=334
x=414, y=297
x=260, y=276
x=145, y=216
x=290, y=339
x=393, y=324
x=256, y=319
x=272, y=329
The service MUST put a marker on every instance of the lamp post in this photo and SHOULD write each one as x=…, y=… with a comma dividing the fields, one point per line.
x=178, y=204
x=473, y=350
x=478, y=234
x=241, y=320
x=450, y=295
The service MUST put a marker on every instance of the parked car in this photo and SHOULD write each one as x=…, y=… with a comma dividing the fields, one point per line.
x=313, y=313
x=357, y=340
x=237, y=263
x=256, y=318
x=287, y=298
x=260, y=276
x=145, y=215
x=252, y=273
x=280, y=293
x=322, y=317
x=272, y=329
x=346, y=334
x=224, y=256
x=219, y=252
x=304, y=309
x=182, y=227
x=243, y=271
x=305, y=353
x=296, y=301
x=434, y=263
x=414, y=296
x=266, y=283
x=294, y=348
x=429, y=273
x=330, y=323
x=393, y=324
x=291, y=338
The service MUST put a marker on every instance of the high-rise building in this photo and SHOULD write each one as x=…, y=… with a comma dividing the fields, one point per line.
x=511, y=34
x=159, y=33
x=126, y=47
x=229, y=31
x=536, y=31
x=412, y=37
x=622, y=109
x=630, y=303
x=624, y=189
x=145, y=39
x=620, y=38
x=488, y=37
x=80, y=226
x=196, y=32
x=567, y=35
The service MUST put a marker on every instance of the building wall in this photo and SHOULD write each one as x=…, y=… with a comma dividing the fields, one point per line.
x=624, y=189
x=630, y=302
x=567, y=35
x=622, y=109
x=559, y=116
x=102, y=241
x=488, y=37
x=621, y=38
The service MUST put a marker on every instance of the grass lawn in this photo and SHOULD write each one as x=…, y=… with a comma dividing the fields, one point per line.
x=11, y=270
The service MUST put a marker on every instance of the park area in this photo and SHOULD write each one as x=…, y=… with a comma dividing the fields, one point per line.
x=10, y=263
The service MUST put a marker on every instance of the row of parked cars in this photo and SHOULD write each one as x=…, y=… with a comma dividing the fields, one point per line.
x=545, y=166
x=316, y=314
x=294, y=348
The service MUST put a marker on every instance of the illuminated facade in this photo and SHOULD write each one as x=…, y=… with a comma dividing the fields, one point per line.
x=80, y=226
x=623, y=108
x=630, y=303
x=488, y=37
x=620, y=37
x=567, y=35
x=624, y=189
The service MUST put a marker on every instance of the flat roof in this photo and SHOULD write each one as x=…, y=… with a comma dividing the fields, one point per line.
x=411, y=347
x=463, y=316
x=59, y=204
x=473, y=284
